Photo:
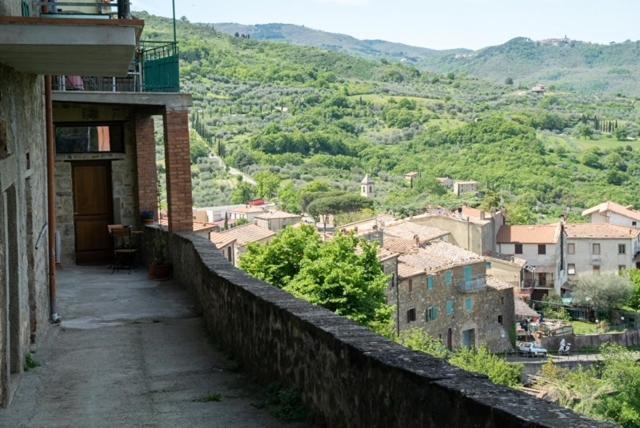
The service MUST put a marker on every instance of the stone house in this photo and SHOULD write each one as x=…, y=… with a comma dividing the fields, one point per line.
x=613, y=213
x=445, y=290
x=411, y=178
x=239, y=238
x=465, y=187
x=276, y=221
x=73, y=162
x=600, y=248
x=544, y=249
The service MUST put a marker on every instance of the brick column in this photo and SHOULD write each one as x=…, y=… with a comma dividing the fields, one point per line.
x=146, y=163
x=178, y=166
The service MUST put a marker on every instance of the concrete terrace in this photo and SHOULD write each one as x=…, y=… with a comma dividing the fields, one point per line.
x=130, y=352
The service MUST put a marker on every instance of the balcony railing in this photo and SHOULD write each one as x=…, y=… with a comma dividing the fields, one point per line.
x=473, y=286
x=155, y=69
x=70, y=9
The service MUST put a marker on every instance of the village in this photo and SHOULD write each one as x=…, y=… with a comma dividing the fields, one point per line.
x=468, y=277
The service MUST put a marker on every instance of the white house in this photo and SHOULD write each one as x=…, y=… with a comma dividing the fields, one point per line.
x=600, y=248
x=542, y=246
x=613, y=213
x=277, y=220
x=367, y=189
x=248, y=213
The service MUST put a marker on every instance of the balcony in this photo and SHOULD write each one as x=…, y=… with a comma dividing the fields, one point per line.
x=72, y=37
x=473, y=286
x=155, y=68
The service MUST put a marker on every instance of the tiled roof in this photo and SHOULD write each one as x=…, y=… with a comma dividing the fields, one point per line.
x=398, y=245
x=497, y=284
x=385, y=254
x=600, y=231
x=198, y=226
x=243, y=234
x=409, y=230
x=367, y=225
x=524, y=234
x=277, y=215
x=436, y=256
x=523, y=310
x=248, y=210
x=613, y=207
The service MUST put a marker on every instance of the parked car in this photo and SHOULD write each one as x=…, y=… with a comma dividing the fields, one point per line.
x=530, y=349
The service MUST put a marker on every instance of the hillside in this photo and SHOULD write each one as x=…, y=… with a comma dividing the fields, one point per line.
x=567, y=64
x=301, y=119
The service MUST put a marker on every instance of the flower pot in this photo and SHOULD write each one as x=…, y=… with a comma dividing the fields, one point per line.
x=159, y=271
x=147, y=221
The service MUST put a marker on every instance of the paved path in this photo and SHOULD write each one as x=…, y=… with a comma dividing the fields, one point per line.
x=130, y=353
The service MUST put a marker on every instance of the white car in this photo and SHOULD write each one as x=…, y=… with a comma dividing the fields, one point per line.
x=530, y=349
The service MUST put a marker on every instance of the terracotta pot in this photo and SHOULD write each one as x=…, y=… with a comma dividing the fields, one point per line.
x=160, y=271
x=148, y=221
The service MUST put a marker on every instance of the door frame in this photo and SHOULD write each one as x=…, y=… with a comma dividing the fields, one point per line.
x=97, y=162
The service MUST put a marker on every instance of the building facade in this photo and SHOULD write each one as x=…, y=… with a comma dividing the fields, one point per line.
x=595, y=248
x=544, y=249
x=613, y=213
x=445, y=291
x=276, y=221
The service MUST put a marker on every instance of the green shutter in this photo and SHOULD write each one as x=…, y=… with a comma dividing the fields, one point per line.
x=430, y=282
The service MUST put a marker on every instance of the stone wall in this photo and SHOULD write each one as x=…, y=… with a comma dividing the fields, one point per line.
x=347, y=375
x=487, y=305
x=592, y=341
x=23, y=218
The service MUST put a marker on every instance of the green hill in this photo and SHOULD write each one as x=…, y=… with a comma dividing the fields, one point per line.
x=299, y=118
x=568, y=64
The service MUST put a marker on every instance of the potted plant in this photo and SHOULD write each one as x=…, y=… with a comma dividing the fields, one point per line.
x=160, y=268
x=147, y=217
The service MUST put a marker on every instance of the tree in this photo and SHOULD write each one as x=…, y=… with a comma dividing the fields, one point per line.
x=345, y=276
x=278, y=262
x=603, y=292
x=634, y=277
x=243, y=193
x=336, y=204
x=266, y=184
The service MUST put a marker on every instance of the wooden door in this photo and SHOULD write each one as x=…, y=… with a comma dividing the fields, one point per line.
x=93, y=211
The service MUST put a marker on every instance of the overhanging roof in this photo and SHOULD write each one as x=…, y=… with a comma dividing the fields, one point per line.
x=86, y=47
x=167, y=100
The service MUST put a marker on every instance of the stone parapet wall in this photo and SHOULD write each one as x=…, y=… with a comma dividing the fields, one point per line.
x=592, y=341
x=347, y=375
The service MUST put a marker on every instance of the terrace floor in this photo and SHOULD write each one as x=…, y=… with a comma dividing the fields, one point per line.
x=131, y=352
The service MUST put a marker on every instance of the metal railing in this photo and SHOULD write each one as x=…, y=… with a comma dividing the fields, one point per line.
x=155, y=69
x=106, y=9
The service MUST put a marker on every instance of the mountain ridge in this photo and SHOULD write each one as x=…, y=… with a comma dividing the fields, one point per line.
x=571, y=65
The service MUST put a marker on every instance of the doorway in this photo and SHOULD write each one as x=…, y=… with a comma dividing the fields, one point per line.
x=450, y=340
x=12, y=280
x=469, y=338
x=93, y=211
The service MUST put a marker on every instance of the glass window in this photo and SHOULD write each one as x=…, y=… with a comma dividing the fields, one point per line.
x=448, y=277
x=571, y=248
x=90, y=139
x=542, y=249
x=432, y=313
x=622, y=248
x=518, y=248
x=571, y=267
x=468, y=304
x=595, y=249
x=450, y=308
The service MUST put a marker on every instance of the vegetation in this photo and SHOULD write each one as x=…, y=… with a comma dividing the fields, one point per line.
x=297, y=261
x=602, y=293
x=284, y=404
x=295, y=116
x=608, y=392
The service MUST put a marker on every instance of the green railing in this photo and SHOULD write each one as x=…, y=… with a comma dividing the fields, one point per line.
x=160, y=66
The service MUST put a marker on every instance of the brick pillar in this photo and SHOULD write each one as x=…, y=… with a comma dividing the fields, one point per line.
x=146, y=163
x=178, y=166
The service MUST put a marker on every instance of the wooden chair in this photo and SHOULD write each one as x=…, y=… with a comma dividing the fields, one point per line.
x=124, y=252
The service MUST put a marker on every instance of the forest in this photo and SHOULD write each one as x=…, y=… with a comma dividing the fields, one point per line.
x=301, y=118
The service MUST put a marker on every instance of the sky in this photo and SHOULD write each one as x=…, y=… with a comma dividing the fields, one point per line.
x=442, y=24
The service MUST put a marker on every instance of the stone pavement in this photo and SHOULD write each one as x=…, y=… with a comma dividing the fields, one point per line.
x=131, y=353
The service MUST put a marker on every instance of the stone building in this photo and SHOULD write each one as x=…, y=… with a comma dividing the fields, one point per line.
x=445, y=290
x=73, y=162
x=367, y=189
x=238, y=238
x=465, y=187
